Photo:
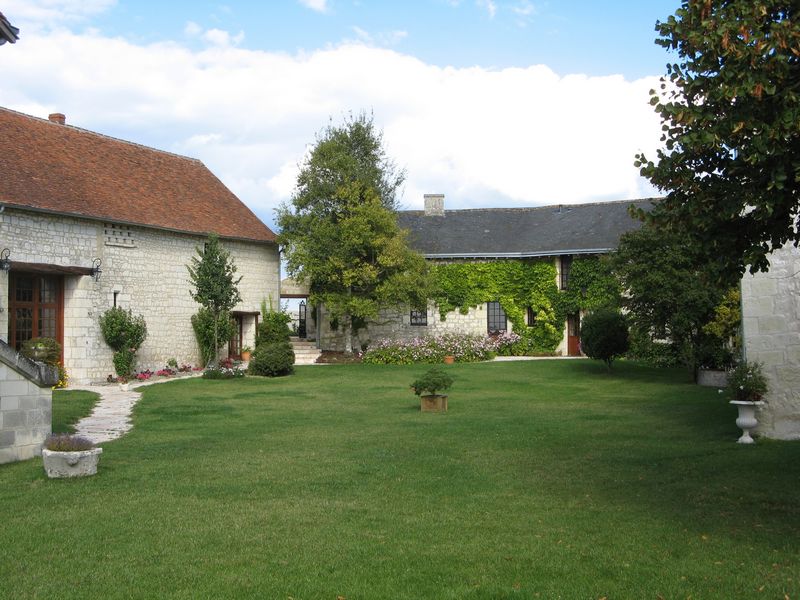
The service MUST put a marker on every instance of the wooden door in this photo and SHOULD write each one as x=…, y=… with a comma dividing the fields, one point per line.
x=235, y=343
x=573, y=335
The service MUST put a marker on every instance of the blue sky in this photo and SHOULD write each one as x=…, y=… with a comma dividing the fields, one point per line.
x=492, y=103
x=595, y=38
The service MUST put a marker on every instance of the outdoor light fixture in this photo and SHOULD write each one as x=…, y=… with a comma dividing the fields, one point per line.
x=96, y=269
x=5, y=262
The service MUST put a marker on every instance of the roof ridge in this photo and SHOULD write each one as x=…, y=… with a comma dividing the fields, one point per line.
x=533, y=208
x=101, y=135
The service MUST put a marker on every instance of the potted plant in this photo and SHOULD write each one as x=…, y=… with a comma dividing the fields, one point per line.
x=449, y=359
x=67, y=455
x=747, y=386
x=123, y=383
x=427, y=386
x=246, y=352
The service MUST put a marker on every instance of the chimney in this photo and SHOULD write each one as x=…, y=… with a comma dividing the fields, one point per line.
x=57, y=118
x=434, y=205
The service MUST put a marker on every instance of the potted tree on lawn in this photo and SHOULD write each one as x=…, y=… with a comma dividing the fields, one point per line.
x=427, y=386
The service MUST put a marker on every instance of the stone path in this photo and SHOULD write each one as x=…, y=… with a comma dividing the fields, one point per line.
x=111, y=417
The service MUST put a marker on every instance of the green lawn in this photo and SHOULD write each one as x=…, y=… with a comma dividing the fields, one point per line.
x=546, y=479
x=69, y=407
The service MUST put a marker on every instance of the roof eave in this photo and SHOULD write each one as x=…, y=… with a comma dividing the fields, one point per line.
x=497, y=255
x=110, y=219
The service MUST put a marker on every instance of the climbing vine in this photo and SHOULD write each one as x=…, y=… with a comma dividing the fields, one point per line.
x=520, y=284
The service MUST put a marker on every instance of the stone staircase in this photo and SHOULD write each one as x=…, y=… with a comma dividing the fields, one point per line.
x=305, y=352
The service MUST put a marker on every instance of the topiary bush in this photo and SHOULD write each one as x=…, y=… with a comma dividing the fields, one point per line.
x=272, y=360
x=432, y=382
x=124, y=333
x=604, y=335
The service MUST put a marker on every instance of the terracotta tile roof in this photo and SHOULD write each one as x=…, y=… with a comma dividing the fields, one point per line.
x=67, y=170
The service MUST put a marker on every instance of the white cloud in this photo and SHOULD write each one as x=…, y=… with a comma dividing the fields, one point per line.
x=192, y=29
x=489, y=6
x=384, y=38
x=524, y=8
x=483, y=137
x=34, y=14
x=317, y=5
x=216, y=37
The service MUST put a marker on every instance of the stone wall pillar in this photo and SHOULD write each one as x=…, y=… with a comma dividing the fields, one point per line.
x=771, y=332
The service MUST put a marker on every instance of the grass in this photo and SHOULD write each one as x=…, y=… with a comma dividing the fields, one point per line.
x=546, y=479
x=69, y=407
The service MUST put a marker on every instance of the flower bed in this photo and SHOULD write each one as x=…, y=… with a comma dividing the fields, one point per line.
x=465, y=348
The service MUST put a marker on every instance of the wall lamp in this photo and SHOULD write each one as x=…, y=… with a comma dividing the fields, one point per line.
x=5, y=261
x=96, y=270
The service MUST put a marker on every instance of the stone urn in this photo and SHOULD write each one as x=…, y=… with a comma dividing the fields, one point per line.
x=747, y=419
x=433, y=403
x=71, y=464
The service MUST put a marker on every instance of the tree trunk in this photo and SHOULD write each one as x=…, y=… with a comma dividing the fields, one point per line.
x=213, y=358
x=348, y=334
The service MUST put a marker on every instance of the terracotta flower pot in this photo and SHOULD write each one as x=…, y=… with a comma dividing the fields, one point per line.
x=245, y=356
x=449, y=359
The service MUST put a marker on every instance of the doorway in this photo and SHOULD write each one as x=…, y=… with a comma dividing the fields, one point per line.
x=36, y=308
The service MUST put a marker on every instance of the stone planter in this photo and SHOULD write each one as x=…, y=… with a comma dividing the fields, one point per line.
x=747, y=419
x=124, y=387
x=434, y=403
x=71, y=464
x=712, y=378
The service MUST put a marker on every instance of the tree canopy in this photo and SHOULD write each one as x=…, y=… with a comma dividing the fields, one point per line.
x=340, y=232
x=667, y=295
x=730, y=111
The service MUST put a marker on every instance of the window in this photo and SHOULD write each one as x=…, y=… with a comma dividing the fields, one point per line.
x=531, y=317
x=496, y=318
x=566, y=265
x=35, y=307
x=419, y=317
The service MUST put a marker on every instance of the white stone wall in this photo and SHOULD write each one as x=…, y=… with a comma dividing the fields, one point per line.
x=771, y=331
x=148, y=276
x=25, y=416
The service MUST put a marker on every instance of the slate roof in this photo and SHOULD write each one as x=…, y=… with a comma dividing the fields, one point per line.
x=66, y=170
x=521, y=232
x=8, y=33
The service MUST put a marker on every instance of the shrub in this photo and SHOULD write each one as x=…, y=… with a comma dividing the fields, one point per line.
x=64, y=442
x=124, y=360
x=203, y=325
x=222, y=373
x=431, y=382
x=121, y=330
x=272, y=360
x=604, y=335
x=273, y=329
x=124, y=333
x=653, y=352
x=43, y=349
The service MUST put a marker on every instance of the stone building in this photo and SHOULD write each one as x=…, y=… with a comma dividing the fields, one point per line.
x=548, y=233
x=89, y=222
x=771, y=333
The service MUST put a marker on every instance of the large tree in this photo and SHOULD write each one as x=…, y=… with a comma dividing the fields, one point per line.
x=340, y=232
x=667, y=295
x=213, y=274
x=730, y=110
